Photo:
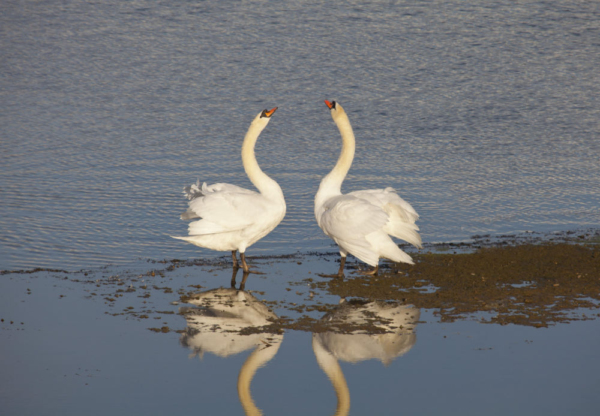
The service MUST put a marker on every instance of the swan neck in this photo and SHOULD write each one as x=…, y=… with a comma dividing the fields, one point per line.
x=331, y=185
x=331, y=367
x=256, y=360
x=341, y=168
x=259, y=179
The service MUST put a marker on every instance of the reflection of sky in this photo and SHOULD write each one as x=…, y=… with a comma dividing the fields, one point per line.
x=484, y=118
x=80, y=359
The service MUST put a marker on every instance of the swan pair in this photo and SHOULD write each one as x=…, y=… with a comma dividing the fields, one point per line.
x=361, y=222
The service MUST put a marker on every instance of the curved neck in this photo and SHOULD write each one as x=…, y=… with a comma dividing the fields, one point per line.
x=331, y=367
x=259, y=179
x=331, y=184
x=257, y=359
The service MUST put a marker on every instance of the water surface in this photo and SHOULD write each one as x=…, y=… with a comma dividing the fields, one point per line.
x=483, y=115
x=79, y=343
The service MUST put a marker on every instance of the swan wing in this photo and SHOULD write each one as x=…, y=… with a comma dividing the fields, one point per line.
x=402, y=216
x=196, y=190
x=389, y=200
x=348, y=219
x=347, y=216
x=224, y=208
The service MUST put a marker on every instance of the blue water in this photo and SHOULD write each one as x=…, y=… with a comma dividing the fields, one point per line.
x=79, y=359
x=484, y=115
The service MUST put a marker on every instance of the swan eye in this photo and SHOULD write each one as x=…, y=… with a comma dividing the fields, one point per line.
x=332, y=105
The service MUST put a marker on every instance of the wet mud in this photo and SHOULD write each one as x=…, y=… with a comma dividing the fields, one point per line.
x=525, y=280
x=535, y=285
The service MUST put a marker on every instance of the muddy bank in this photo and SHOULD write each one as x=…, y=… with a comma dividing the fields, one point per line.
x=535, y=285
x=520, y=281
x=529, y=284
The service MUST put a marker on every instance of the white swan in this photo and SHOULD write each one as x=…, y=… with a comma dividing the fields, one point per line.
x=234, y=218
x=362, y=222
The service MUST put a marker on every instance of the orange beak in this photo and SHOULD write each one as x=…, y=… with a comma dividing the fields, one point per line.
x=270, y=112
x=330, y=105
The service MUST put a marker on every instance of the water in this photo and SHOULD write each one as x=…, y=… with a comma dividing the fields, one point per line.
x=94, y=355
x=484, y=115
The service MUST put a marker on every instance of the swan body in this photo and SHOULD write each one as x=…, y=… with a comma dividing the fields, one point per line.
x=232, y=218
x=362, y=222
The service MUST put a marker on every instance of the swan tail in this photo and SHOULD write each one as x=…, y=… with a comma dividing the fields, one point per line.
x=405, y=232
x=211, y=241
x=180, y=238
x=197, y=240
x=401, y=223
x=401, y=210
x=384, y=246
x=394, y=253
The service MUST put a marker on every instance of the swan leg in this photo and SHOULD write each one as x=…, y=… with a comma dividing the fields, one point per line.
x=245, y=266
x=340, y=272
x=233, y=256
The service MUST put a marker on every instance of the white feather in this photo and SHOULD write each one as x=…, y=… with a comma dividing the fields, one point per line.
x=231, y=217
x=361, y=222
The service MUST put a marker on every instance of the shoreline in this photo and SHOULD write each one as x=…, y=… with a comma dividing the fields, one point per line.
x=529, y=280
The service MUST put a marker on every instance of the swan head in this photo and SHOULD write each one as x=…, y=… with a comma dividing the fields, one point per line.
x=267, y=113
x=263, y=118
x=335, y=107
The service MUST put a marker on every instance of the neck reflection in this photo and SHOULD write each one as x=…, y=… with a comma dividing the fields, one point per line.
x=220, y=322
x=371, y=330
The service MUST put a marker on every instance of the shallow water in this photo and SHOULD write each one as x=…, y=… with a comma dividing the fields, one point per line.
x=78, y=343
x=484, y=115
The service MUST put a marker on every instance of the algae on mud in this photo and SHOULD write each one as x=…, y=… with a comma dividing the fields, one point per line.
x=533, y=284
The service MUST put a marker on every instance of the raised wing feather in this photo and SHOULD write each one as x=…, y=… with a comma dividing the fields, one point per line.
x=346, y=216
x=223, y=208
x=348, y=219
x=402, y=216
x=390, y=201
x=196, y=190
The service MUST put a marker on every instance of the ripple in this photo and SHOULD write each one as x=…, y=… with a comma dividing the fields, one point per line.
x=484, y=118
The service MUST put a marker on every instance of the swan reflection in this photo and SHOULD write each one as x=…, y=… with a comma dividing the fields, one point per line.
x=215, y=324
x=399, y=322
x=244, y=278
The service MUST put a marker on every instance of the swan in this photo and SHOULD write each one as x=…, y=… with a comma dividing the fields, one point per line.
x=361, y=222
x=233, y=218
